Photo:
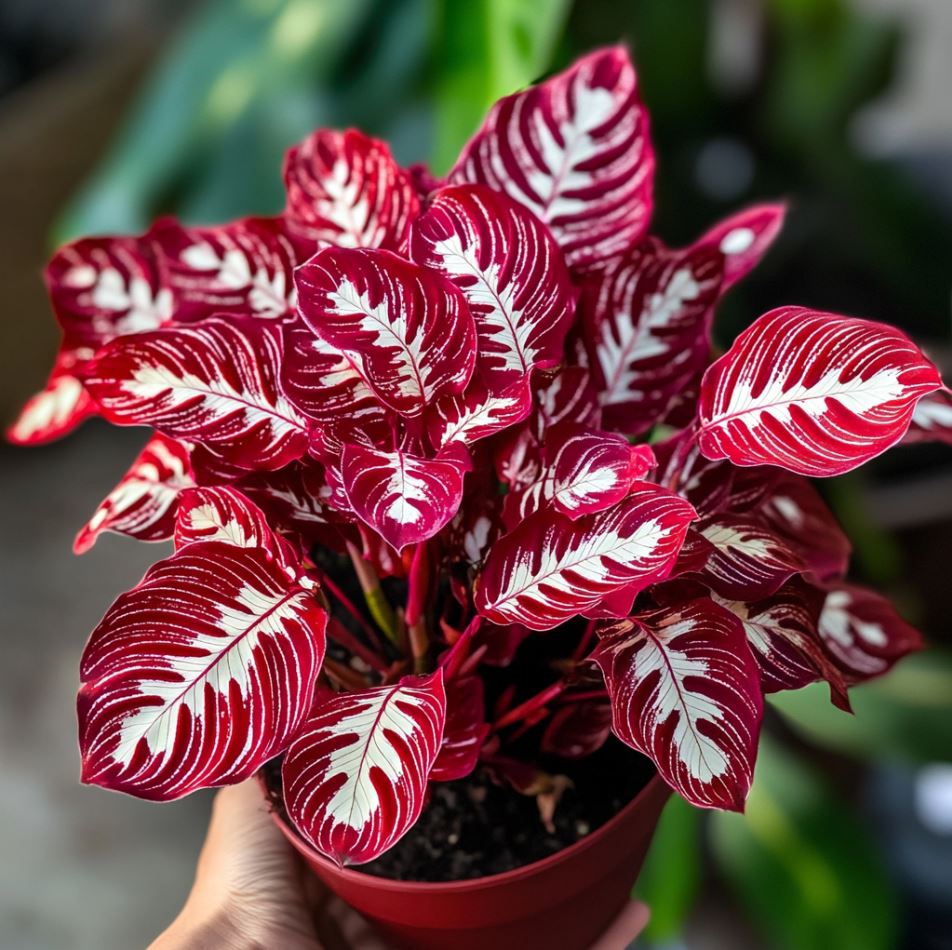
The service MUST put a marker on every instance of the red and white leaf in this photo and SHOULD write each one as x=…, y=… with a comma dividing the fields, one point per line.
x=105, y=287
x=465, y=730
x=511, y=273
x=355, y=776
x=54, y=411
x=225, y=514
x=647, y=322
x=245, y=268
x=344, y=188
x=568, y=396
x=550, y=568
x=324, y=383
x=407, y=328
x=783, y=635
x=214, y=383
x=404, y=498
x=747, y=560
x=592, y=471
x=518, y=458
x=296, y=498
x=576, y=730
x=575, y=151
x=744, y=238
x=583, y=471
x=144, y=503
x=198, y=675
x=476, y=414
x=796, y=510
x=932, y=419
x=682, y=467
x=812, y=392
x=685, y=691
x=864, y=633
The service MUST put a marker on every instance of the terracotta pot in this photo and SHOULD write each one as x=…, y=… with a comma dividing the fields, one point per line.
x=565, y=900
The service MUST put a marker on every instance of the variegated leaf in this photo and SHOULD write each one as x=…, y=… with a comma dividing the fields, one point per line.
x=591, y=470
x=476, y=414
x=575, y=151
x=932, y=419
x=685, y=691
x=295, y=498
x=198, y=675
x=744, y=238
x=550, y=568
x=511, y=273
x=796, y=510
x=214, y=383
x=404, y=498
x=224, y=514
x=812, y=392
x=570, y=395
x=647, y=321
x=405, y=327
x=323, y=382
x=105, y=287
x=244, y=268
x=144, y=503
x=747, y=560
x=583, y=471
x=864, y=633
x=355, y=777
x=682, y=468
x=55, y=410
x=783, y=635
x=344, y=188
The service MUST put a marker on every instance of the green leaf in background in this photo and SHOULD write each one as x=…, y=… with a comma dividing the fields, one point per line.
x=671, y=878
x=801, y=863
x=906, y=715
x=241, y=81
x=487, y=49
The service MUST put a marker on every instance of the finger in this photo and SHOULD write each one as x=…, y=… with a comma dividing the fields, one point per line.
x=624, y=928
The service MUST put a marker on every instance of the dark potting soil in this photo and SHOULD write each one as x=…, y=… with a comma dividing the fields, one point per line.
x=474, y=827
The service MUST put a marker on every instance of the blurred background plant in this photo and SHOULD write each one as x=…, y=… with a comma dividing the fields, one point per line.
x=847, y=838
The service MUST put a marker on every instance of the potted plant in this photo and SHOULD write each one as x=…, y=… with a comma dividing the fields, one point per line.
x=466, y=521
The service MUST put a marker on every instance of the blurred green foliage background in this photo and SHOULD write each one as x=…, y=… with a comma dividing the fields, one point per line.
x=243, y=79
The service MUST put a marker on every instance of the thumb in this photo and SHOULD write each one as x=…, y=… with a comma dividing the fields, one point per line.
x=624, y=928
x=244, y=852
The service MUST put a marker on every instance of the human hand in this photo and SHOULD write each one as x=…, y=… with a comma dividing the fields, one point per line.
x=252, y=890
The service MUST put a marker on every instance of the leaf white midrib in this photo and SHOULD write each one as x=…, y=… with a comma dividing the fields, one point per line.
x=542, y=578
x=794, y=400
x=649, y=635
x=363, y=755
x=230, y=395
x=176, y=701
x=387, y=329
x=500, y=308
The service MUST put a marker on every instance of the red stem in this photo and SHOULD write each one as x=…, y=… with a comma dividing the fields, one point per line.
x=348, y=678
x=348, y=605
x=530, y=705
x=581, y=697
x=337, y=631
x=584, y=642
x=418, y=584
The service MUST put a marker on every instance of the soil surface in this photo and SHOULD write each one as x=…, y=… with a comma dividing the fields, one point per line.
x=474, y=827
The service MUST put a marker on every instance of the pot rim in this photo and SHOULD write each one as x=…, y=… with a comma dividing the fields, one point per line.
x=454, y=887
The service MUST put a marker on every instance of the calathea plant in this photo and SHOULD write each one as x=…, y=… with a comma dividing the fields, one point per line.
x=486, y=404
